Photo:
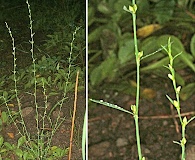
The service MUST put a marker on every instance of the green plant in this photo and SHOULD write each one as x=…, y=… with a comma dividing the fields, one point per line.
x=176, y=103
x=27, y=154
x=139, y=56
x=38, y=146
x=3, y=119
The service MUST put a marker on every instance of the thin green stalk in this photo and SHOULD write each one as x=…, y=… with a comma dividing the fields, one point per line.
x=135, y=108
x=183, y=145
x=176, y=102
x=24, y=129
x=35, y=79
x=137, y=81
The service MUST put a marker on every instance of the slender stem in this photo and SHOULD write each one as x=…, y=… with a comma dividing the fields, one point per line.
x=177, y=104
x=138, y=85
x=138, y=137
x=183, y=146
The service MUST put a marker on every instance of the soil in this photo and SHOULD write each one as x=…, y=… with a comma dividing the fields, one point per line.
x=111, y=133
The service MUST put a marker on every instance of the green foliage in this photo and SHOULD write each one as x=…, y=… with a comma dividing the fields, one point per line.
x=163, y=10
x=22, y=152
x=111, y=50
x=59, y=42
x=3, y=119
x=105, y=70
x=52, y=70
x=177, y=47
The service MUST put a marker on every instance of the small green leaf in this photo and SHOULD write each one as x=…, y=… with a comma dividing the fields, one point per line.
x=134, y=110
x=33, y=145
x=5, y=94
x=25, y=155
x=126, y=52
x=53, y=148
x=171, y=77
x=107, y=69
x=127, y=10
x=8, y=146
x=133, y=8
x=19, y=152
x=28, y=155
x=176, y=104
x=185, y=122
x=1, y=140
x=169, y=98
x=140, y=54
x=4, y=117
x=111, y=105
x=58, y=152
x=21, y=141
x=183, y=141
x=2, y=150
x=178, y=89
x=95, y=34
x=176, y=142
x=104, y=8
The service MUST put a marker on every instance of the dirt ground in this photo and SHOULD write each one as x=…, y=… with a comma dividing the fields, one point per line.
x=112, y=132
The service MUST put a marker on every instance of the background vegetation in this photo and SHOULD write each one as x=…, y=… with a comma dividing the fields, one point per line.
x=111, y=56
x=53, y=24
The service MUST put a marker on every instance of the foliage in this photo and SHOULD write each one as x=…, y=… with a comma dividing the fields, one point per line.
x=51, y=70
x=51, y=19
x=111, y=43
x=59, y=42
x=18, y=150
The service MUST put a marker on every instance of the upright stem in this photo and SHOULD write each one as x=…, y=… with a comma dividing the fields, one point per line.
x=138, y=84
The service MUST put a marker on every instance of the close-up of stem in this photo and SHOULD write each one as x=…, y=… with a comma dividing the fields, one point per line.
x=136, y=117
x=136, y=39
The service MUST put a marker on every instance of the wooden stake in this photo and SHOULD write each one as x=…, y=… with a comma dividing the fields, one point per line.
x=74, y=113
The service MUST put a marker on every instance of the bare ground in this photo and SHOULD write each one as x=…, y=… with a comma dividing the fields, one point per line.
x=112, y=132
